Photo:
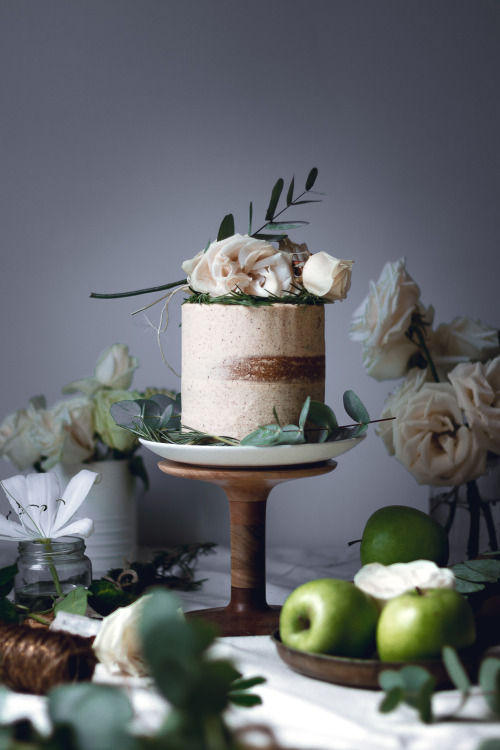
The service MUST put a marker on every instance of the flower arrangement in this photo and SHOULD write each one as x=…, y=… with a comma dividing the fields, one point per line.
x=250, y=270
x=77, y=429
x=446, y=427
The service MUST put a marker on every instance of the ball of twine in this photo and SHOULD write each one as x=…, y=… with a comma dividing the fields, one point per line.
x=34, y=660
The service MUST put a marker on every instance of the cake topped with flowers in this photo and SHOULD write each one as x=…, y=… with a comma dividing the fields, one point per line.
x=253, y=346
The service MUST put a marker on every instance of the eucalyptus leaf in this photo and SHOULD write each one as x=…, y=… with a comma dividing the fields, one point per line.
x=392, y=699
x=97, y=714
x=311, y=178
x=226, y=228
x=355, y=408
x=304, y=412
x=8, y=612
x=289, y=195
x=245, y=700
x=468, y=573
x=321, y=415
x=268, y=237
x=276, y=226
x=7, y=576
x=489, y=680
x=275, y=196
x=309, y=200
x=467, y=587
x=265, y=435
x=75, y=601
x=485, y=567
x=424, y=701
x=455, y=669
x=126, y=413
x=290, y=434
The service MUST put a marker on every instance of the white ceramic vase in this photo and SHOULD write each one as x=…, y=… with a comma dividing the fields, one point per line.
x=112, y=505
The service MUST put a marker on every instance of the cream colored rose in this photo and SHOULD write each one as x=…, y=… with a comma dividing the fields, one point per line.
x=114, y=370
x=16, y=442
x=396, y=401
x=462, y=340
x=117, y=644
x=431, y=440
x=477, y=387
x=382, y=320
x=384, y=582
x=327, y=277
x=240, y=263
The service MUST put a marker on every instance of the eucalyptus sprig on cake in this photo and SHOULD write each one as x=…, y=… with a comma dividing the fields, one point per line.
x=248, y=269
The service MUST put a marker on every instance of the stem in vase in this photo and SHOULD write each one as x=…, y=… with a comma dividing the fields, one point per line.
x=48, y=548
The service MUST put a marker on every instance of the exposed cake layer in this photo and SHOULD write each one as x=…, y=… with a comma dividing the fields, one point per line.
x=238, y=363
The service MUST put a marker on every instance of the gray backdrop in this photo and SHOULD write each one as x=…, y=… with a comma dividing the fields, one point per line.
x=130, y=127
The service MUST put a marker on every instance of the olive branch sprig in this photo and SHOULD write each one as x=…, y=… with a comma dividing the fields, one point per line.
x=227, y=228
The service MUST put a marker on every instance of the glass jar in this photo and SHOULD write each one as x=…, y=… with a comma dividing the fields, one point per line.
x=48, y=570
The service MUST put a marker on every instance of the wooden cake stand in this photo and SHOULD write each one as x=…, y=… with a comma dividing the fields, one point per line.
x=247, y=490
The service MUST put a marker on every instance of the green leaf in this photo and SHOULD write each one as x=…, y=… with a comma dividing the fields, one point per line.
x=250, y=217
x=275, y=196
x=126, y=413
x=107, y=596
x=321, y=415
x=97, y=714
x=245, y=683
x=266, y=435
x=226, y=228
x=289, y=195
x=390, y=678
x=311, y=178
x=290, y=434
x=467, y=587
x=304, y=412
x=489, y=680
x=74, y=602
x=7, y=576
x=393, y=698
x=309, y=200
x=486, y=567
x=268, y=237
x=455, y=669
x=424, y=701
x=469, y=573
x=8, y=612
x=245, y=700
x=355, y=408
x=277, y=226
x=492, y=743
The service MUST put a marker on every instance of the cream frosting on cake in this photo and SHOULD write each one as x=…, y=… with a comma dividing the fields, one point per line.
x=239, y=363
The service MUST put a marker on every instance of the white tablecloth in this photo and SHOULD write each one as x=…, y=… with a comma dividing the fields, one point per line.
x=302, y=712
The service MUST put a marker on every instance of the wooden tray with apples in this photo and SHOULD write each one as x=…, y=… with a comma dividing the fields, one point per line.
x=363, y=673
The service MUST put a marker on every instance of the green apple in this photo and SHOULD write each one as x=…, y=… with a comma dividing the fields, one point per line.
x=398, y=533
x=329, y=616
x=416, y=625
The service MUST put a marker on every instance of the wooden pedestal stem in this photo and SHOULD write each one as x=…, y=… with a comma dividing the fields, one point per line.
x=247, y=491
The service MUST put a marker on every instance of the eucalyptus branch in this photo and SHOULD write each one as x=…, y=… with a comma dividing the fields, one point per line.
x=161, y=288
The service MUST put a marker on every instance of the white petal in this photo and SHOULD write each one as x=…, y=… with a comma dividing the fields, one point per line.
x=83, y=527
x=74, y=495
x=10, y=530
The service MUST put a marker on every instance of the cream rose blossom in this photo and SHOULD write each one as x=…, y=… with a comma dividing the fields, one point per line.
x=117, y=644
x=327, y=277
x=477, y=387
x=397, y=401
x=382, y=320
x=462, y=340
x=240, y=263
x=431, y=440
x=114, y=370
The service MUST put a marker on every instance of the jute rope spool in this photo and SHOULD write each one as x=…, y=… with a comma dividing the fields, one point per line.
x=36, y=659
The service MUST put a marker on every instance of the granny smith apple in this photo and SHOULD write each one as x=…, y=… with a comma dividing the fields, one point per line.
x=416, y=625
x=329, y=616
x=398, y=533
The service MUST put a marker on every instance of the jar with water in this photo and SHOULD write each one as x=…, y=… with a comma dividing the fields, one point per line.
x=50, y=569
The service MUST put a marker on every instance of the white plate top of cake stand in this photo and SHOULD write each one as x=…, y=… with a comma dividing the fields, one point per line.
x=251, y=455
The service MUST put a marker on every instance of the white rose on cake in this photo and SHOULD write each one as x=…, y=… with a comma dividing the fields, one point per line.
x=327, y=277
x=240, y=263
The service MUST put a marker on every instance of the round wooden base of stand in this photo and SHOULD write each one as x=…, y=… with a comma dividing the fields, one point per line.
x=247, y=490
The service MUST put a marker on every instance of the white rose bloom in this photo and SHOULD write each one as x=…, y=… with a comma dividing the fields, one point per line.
x=78, y=424
x=114, y=370
x=240, y=263
x=117, y=644
x=382, y=320
x=462, y=340
x=396, y=401
x=16, y=442
x=477, y=387
x=384, y=582
x=327, y=277
x=431, y=440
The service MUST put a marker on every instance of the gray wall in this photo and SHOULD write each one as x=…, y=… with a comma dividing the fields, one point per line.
x=130, y=127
